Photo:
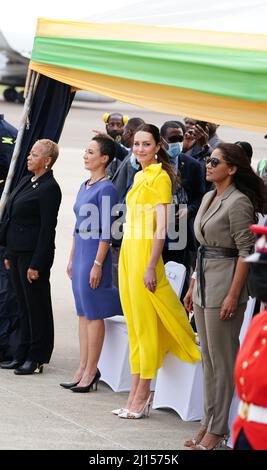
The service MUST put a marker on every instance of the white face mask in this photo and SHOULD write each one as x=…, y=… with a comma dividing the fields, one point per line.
x=174, y=151
x=134, y=162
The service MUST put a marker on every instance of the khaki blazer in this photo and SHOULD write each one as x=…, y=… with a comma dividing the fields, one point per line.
x=225, y=224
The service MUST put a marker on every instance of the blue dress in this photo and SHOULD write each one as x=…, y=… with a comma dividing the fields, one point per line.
x=93, y=221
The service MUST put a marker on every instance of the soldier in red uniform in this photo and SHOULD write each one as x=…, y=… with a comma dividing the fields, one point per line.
x=250, y=426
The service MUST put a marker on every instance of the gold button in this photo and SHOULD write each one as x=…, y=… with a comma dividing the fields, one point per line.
x=244, y=396
x=256, y=353
x=244, y=364
x=241, y=380
x=264, y=341
x=265, y=328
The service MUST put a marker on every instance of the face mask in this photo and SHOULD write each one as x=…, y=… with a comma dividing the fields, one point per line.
x=174, y=151
x=115, y=135
x=134, y=162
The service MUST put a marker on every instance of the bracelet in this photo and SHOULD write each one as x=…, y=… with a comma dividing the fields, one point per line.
x=194, y=275
x=98, y=263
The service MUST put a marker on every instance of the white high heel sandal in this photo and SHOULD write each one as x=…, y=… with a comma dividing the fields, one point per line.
x=118, y=411
x=144, y=412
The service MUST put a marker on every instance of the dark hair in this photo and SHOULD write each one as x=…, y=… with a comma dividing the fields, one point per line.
x=247, y=149
x=163, y=157
x=134, y=123
x=245, y=179
x=171, y=125
x=115, y=115
x=107, y=146
x=181, y=125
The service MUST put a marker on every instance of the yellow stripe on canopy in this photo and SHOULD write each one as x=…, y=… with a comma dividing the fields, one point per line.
x=171, y=100
x=155, y=34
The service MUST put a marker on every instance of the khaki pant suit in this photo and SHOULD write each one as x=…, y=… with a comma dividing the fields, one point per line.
x=224, y=224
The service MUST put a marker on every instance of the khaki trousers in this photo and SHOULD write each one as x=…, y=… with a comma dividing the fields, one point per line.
x=219, y=341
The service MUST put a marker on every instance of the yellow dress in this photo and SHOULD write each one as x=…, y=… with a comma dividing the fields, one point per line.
x=157, y=322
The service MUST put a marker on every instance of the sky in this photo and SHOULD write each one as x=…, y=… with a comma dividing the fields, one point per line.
x=28, y=11
x=246, y=16
x=19, y=28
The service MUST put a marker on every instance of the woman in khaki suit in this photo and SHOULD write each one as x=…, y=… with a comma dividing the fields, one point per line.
x=218, y=291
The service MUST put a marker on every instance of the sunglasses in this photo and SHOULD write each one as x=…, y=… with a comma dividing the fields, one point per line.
x=175, y=138
x=213, y=161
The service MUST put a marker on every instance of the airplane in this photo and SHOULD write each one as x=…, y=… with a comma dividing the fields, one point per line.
x=13, y=71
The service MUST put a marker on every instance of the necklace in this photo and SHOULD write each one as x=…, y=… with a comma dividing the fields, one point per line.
x=34, y=180
x=88, y=184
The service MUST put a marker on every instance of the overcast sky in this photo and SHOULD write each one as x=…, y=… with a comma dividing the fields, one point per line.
x=18, y=23
x=18, y=14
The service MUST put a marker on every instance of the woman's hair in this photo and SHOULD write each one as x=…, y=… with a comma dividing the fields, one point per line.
x=107, y=146
x=245, y=179
x=163, y=157
x=247, y=149
x=51, y=150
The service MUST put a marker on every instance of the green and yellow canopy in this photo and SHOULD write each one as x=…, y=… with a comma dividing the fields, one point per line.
x=215, y=76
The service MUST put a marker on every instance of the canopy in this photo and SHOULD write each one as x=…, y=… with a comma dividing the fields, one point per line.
x=149, y=60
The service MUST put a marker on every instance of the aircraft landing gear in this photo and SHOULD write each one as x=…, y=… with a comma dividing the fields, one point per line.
x=21, y=98
x=10, y=95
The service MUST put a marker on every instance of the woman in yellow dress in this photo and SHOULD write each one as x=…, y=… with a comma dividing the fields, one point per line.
x=156, y=320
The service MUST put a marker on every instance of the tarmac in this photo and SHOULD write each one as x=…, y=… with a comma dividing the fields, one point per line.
x=36, y=413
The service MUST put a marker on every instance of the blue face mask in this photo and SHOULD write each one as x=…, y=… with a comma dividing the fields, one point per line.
x=174, y=151
x=134, y=162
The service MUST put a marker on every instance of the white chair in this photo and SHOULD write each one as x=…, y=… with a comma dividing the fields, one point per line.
x=247, y=318
x=179, y=385
x=114, y=359
x=175, y=273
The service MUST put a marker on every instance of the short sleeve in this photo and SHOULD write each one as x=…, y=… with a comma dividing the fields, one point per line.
x=163, y=189
x=241, y=216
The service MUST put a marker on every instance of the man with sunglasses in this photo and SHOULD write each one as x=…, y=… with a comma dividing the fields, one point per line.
x=193, y=183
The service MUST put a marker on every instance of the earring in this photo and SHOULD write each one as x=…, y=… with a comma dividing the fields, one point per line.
x=156, y=157
x=46, y=167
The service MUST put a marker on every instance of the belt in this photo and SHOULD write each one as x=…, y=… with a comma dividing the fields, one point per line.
x=210, y=252
x=87, y=230
x=251, y=412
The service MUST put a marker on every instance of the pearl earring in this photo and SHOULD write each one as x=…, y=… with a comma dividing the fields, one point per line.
x=46, y=167
x=156, y=157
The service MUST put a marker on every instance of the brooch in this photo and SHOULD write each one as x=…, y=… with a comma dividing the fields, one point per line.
x=35, y=185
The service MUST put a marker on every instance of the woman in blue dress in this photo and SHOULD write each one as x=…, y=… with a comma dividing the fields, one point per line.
x=90, y=266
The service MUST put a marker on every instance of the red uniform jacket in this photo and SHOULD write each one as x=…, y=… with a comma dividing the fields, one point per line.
x=251, y=380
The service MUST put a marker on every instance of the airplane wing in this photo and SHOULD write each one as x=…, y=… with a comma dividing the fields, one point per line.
x=13, y=69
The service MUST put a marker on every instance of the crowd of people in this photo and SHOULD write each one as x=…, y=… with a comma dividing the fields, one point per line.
x=177, y=193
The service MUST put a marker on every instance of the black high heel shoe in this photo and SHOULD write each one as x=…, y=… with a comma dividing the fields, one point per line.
x=92, y=385
x=29, y=367
x=14, y=364
x=68, y=385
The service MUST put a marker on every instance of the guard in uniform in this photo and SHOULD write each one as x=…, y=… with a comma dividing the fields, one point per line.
x=8, y=306
x=250, y=426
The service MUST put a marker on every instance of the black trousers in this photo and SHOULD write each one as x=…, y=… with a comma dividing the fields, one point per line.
x=35, y=309
x=242, y=442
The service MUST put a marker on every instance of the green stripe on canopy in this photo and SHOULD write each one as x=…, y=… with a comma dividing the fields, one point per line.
x=225, y=72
